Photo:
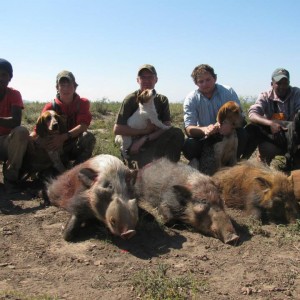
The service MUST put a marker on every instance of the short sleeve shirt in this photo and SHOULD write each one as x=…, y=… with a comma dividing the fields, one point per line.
x=130, y=105
x=11, y=98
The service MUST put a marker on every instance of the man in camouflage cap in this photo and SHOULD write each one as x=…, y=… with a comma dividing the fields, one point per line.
x=151, y=142
x=77, y=143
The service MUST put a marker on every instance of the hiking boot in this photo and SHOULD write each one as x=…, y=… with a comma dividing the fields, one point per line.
x=12, y=187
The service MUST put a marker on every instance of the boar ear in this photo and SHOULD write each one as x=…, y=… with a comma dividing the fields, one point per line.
x=201, y=207
x=87, y=176
x=182, y=193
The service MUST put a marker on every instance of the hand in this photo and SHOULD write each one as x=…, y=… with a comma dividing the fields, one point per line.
x=276, y=127
x=211, y=129
x=150, y=127
x=137, y=144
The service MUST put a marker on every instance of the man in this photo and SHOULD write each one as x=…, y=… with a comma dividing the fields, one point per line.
x=278, y=104
x=77, y=143
x=13, y=137
x=151, y=142
x=200, y=110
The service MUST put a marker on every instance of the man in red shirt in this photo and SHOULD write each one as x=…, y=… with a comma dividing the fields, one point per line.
x=77, y=143
x=13, y=137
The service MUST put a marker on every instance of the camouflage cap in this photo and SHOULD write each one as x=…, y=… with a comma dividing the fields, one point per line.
x=280, y=73
x=66, y=74
x=147, y=67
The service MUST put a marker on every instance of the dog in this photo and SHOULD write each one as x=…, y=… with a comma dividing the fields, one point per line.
x=287, y=139
x=221, y=150
x=48, y=124
x=145, y=112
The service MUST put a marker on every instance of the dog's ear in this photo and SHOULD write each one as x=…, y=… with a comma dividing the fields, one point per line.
x=41, y=126
x=140, y=97
x=225, y=110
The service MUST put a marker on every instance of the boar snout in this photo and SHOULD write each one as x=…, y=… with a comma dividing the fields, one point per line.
x=128, y=234
x=231, y=238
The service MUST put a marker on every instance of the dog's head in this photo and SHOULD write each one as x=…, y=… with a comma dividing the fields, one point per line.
x=49, y=122
x=230, y=113
x=146, y=96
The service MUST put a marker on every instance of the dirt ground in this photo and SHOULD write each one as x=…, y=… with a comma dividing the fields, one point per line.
x=36, y=263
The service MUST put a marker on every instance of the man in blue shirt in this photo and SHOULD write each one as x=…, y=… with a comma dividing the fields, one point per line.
x=200, y=109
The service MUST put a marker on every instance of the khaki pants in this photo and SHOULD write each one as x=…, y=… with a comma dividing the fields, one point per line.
x=169, y=145
x=12, y=150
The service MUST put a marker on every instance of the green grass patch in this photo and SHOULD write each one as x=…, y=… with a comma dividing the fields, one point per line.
x=159, y=285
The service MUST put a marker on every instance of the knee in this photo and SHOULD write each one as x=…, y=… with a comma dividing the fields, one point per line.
x=177, y=135
x=20, y=134
x=88, y=140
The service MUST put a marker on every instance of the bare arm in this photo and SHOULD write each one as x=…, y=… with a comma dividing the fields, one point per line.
x=57, y=141
x=197, y=131
x=274, y=125
x=14, y=120
x=128, y=131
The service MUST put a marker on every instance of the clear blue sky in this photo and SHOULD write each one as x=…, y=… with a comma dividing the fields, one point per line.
x=104, y=42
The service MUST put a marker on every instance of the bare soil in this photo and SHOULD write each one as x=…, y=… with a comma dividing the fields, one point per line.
x=36, y=263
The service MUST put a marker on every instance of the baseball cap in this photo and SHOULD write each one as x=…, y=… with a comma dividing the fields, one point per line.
x=148, y=67
x=66, y=74
x=280, y=73
x=6, y=65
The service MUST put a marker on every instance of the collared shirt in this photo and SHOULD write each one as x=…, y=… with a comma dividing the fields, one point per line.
x=201, y=111
x=266, y=101
x=11, y=98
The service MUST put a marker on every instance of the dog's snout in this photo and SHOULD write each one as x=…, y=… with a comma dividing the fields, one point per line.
x=55, y=126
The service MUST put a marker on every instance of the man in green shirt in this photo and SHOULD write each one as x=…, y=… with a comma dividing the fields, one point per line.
x=150, y=142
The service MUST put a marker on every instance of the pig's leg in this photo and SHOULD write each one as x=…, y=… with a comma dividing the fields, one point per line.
x=71, y=228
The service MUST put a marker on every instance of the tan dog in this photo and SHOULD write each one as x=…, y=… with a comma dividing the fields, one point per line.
x=146, y=112
x=48, y=124
x=225, y=148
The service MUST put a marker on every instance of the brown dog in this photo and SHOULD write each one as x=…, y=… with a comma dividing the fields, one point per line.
x=48, y=124
x=223, y=152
